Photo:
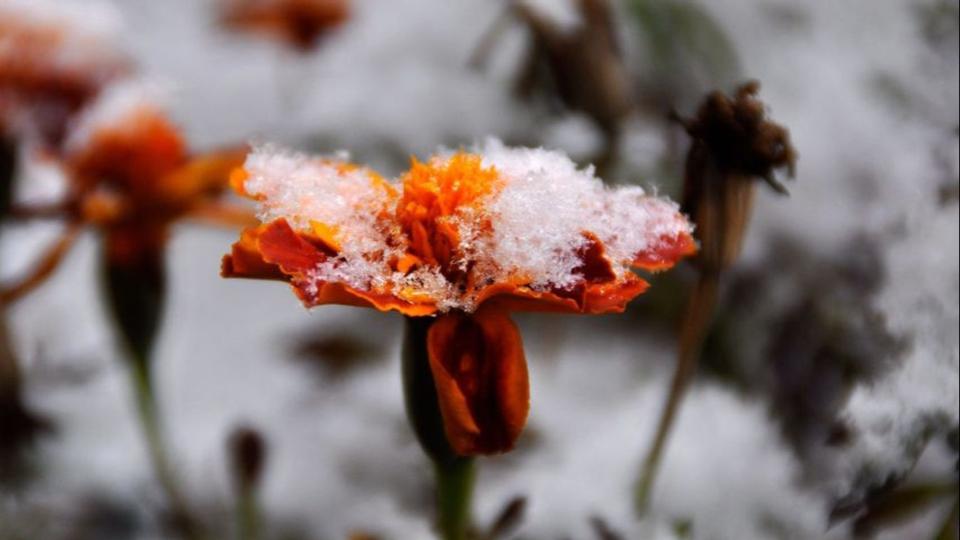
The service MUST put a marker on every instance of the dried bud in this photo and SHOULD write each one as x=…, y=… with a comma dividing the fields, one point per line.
x=733, y=145
x=585, y=63
x=739, y=137
x=247, y=450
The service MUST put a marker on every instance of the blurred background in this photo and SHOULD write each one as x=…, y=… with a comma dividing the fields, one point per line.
x=826, y=402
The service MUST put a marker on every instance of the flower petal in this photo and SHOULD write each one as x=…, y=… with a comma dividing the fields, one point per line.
x=202, y=175
x=668, y=252
x=245, y=260
x=276, y=251
x=339, y=293
x=279, y=244
x=480, y=373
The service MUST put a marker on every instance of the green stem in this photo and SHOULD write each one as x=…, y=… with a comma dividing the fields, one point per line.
x=135, y=293
x=454, y=474
x=248, y=514
x=455, y=482
x=149, y=419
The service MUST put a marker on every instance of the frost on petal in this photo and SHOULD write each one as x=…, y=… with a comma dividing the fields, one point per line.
x=327, y=197
x=541, y=215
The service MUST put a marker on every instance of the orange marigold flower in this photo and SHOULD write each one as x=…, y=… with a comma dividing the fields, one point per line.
x=131, y=176
x=53, y=60
x=128, y=162
x=465, y=237
x=299, y=23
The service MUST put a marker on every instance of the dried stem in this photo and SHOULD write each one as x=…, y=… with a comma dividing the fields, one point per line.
x=950, y=527
x=48, y=263
x=53, y=210
x=696, y=321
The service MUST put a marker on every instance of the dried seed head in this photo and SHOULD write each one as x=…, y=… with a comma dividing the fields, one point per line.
x=585, y=64
x=733, y=145
x=739, y=136
x=247, y=450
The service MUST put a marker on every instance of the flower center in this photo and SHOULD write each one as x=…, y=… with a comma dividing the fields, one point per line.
x=435, y=197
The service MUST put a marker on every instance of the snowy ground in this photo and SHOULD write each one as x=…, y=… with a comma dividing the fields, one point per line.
x=872, y=107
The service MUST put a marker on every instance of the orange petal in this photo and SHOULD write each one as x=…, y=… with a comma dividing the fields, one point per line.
x=205, y=174
x=595, y=267
x=612, y=297
x=279, y=244
x=137, y=157
x=510, y=297
x=338, y=293
x=271, y=251
x=245, y=260
x=594, y=299
x=668, y=252
x=326, y=233
x=480, y=373
x=275, y=251
x=238, y=177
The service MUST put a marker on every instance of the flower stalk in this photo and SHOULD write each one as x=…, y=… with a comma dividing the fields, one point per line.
x=454, y=474
x=734, y=145
x=697, y=317
x=247, y=453
x=135, y=289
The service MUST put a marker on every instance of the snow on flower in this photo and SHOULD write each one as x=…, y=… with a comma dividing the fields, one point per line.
x=467, y=237
x=447, y=233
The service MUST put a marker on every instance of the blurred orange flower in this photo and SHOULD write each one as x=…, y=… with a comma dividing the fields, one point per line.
x=298, y=23
x=466, y=238
x=130, y=175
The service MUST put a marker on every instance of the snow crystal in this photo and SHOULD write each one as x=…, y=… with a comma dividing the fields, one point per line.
x=538, y=218
x=541, y=214
x=346, y=199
